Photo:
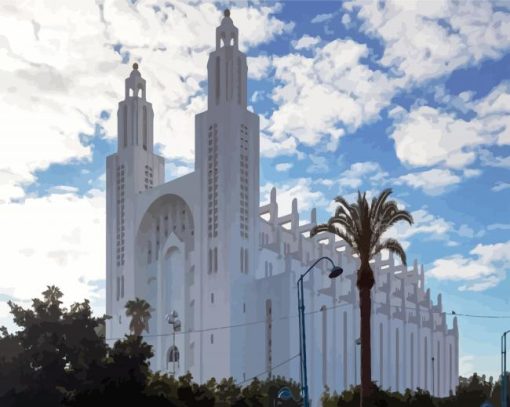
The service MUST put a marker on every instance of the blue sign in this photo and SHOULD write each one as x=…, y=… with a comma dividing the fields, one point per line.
x=486, y=404
x=285, y=394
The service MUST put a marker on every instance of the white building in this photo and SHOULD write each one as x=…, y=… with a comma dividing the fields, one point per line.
x=203, y=246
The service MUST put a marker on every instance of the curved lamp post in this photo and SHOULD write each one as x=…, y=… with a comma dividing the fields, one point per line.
x=176, y=323
x=504, y=381
x=335, y=272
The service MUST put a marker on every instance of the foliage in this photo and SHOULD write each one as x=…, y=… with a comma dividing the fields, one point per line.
x=57, y=358
x=139, y=311
x=471, y=392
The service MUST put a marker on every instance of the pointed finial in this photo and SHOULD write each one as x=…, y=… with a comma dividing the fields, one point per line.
x=226, y=13
x=135, y=66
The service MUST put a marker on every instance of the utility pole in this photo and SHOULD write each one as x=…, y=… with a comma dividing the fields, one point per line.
x=504, y=380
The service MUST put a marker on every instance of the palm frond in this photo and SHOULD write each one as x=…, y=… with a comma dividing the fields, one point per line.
x=392, y=246
x=374, y=210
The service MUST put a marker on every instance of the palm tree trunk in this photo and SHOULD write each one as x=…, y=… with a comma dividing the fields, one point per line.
x=365, y=283
x=366, y=352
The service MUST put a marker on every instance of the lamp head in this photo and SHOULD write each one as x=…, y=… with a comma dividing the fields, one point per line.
x=335, y=272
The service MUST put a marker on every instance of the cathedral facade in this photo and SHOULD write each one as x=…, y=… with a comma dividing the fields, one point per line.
x=203, y=246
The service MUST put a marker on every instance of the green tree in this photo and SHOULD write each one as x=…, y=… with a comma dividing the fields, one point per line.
x=43, y=360
x=362, y=225
x=139, y=311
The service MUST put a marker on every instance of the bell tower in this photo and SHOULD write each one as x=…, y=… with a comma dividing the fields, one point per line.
x=227, y=165
x=132, y=170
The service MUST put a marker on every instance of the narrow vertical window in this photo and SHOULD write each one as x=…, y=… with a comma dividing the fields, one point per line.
x=192, y=354
x=381, y=354
x=269, y=328
x=345, y=350
x=397, y=359
x=450, y=368
x=242, y=260
x=144, y=129
x=412, y=360
x=239, y=80
x=125, y=126
x=215, y=259
x=324, y=346
x=210, y=261
x=122, y=287
x=191, y=321
x=217, y=80
x=438, y=370
x=426, y=363
x=118, y=288
x=246, y=260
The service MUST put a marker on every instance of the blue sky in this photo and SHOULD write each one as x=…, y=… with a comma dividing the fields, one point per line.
x=352, y=95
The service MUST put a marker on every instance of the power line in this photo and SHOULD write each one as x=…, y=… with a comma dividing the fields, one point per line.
x=453, y=313
x=272, y=368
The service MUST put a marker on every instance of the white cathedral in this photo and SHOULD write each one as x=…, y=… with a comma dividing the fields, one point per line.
x=203, y=246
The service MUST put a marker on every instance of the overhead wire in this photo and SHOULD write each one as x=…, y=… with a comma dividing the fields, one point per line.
x=452, y=313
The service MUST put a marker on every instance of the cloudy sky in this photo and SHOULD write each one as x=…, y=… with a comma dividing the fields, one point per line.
x=353, y=95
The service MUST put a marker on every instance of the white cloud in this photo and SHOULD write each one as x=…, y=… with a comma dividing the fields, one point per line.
x=258, y=67
x=59, y=71
x=57, y=239
x=177, y=169
x=321, y=97
x=500, y=226
x=490, y=160
x=467, y=365
x=301, y=189
x=360, y=172
x=432, y=182
x=346, y=20
x=306, y=42
x=484, y=268
x=427, y=136
x=319, y=164
x=501, y=186
x=320, y=18
x=282, y=167
x=424, y=40
x=429, y=225
x=271, y=148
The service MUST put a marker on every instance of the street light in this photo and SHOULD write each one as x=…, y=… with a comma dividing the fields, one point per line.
x=335, y=272
x=504, y=381
x=357, y=342
x=176, y=324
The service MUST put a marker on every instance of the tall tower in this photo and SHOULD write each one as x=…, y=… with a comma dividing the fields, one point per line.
x=227, y=165
x=129, y=172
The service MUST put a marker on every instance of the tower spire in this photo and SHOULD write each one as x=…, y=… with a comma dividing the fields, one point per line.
x=227, y=34
x=135, y=115
x=228, y=72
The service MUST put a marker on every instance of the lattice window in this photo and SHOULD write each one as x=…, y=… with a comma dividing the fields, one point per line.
x=243, y=182
x=120, y=215
x=212, y=181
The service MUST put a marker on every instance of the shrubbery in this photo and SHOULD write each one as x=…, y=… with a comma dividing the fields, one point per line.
x=59, y=357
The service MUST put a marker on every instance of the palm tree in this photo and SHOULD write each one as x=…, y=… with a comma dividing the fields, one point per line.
x=140, y=312
x=361, y=226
